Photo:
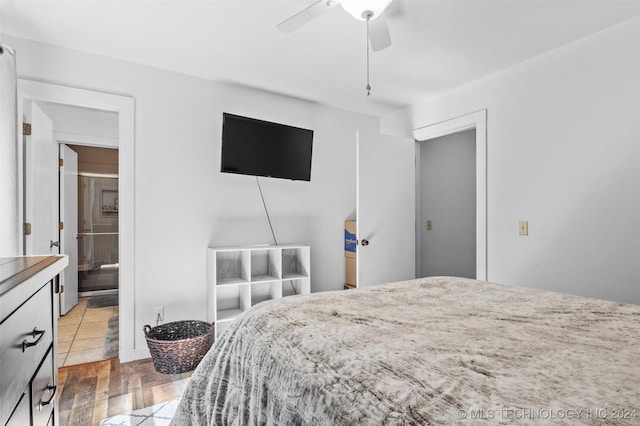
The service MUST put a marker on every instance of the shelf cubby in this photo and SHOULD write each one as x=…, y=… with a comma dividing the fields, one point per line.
x=232, y=267
x=295, y=286
x=231, y=301
x=266, y=265
x=261, y=292
x=295, y=262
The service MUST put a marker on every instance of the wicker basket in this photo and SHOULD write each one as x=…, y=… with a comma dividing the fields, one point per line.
x=178, y=346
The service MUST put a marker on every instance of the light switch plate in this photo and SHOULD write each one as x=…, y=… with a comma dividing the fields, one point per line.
x=523, y=227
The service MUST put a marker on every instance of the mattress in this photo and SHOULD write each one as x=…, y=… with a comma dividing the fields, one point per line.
x=437, y=350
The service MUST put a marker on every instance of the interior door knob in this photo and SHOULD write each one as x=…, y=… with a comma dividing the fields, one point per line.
x=364, y=242
x=54, y=243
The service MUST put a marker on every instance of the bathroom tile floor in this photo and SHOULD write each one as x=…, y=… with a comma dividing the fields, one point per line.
x=82, y=333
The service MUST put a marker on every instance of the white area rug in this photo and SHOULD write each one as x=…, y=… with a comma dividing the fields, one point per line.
x=157, y=415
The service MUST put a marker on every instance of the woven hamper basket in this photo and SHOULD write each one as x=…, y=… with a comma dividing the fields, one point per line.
x=178, y=347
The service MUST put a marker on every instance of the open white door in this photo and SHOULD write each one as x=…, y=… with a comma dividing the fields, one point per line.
x=69, y=231
x=41, y=183
x=385, y=209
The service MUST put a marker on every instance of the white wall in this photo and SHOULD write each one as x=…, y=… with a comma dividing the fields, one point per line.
x=183, y=203
x=563, y=153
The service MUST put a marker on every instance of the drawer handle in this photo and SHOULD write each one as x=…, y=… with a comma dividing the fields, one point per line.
x=35, y=333
x=53, y=397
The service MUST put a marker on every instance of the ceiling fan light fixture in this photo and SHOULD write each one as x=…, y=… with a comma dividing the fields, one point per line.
x=360, y=9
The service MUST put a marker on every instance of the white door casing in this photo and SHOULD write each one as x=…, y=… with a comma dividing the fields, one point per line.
x=385, y=209
x=41, y=183
x=475, y=120
x=131, y=338
x=69, y=231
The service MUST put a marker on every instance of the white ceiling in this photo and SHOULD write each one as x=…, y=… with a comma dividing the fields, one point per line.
x=437, y=44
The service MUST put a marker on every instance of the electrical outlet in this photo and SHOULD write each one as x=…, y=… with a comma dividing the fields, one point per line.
x=523, y=227
x=158, y=314
x=429, y=225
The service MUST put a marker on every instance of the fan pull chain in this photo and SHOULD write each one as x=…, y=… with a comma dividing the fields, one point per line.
x=368, y=17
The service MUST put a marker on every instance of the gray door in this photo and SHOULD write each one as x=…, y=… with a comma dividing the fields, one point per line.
x=448, y=205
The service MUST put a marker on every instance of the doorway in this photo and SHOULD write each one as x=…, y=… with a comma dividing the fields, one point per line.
x=89, y=316
x=87, y=222
x=124, y=106
x=447, y=211
x=88, y=328
x=98, y=230
x=89, y=331
x=478, y=122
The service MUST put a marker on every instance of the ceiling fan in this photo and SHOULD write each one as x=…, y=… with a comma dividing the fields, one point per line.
x=363, y=10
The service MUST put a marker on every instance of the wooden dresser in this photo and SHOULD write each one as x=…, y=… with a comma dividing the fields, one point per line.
x=28, y=317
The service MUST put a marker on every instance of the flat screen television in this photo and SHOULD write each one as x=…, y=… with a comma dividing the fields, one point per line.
x=261, y=148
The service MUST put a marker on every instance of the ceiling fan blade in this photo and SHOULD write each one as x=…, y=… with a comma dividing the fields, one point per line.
x=306, y=15
x=379, y=33
x=395, y=10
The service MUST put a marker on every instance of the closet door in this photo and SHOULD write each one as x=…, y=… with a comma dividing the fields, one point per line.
x=385, y=209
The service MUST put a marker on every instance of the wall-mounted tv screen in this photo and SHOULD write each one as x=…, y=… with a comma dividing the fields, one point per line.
x=261, y=148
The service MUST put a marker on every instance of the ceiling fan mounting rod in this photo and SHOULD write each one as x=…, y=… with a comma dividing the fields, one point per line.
x=367, y=15
x=363, y=10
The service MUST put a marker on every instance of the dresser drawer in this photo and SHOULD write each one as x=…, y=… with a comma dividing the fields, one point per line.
x=25, y=337
x=43, y=392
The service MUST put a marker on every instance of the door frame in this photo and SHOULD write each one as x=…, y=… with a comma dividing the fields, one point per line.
x=125, y=107
x=475, y=120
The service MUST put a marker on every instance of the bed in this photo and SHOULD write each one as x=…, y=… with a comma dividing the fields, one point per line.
x=436, y=350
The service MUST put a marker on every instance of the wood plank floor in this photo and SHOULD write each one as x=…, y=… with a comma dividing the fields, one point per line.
x=97, y=390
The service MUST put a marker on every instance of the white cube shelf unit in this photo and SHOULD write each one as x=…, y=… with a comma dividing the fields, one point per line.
x=241, y=277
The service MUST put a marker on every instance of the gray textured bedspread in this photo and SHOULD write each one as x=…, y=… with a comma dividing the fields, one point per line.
x=430, y=351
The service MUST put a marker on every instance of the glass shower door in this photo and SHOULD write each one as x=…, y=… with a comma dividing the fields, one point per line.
x=97, y=232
